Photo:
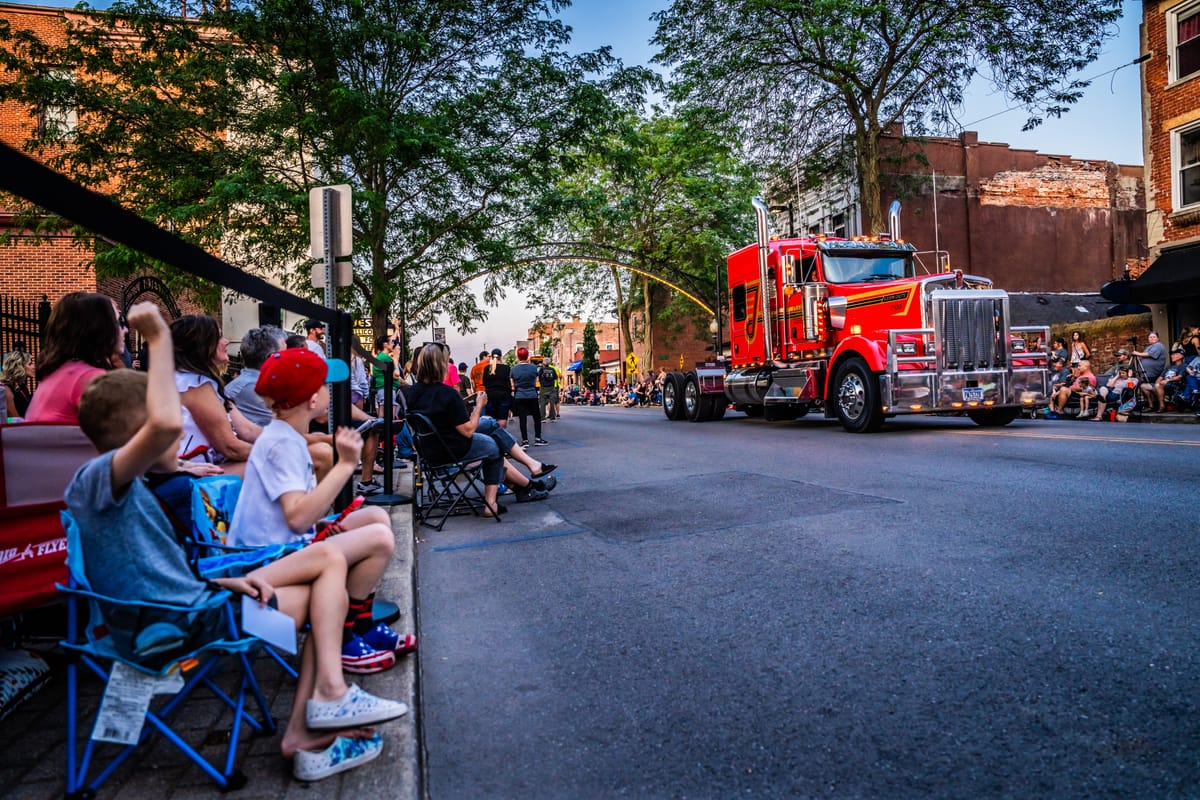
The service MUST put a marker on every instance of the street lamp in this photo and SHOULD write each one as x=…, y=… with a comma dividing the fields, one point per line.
x=714, y=329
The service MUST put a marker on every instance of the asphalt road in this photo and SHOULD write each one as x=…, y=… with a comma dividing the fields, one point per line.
x=753, y=609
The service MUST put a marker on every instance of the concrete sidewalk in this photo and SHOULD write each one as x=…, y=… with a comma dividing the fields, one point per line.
x=33, y=738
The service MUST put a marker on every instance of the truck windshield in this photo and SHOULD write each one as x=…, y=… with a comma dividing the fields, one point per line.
x=856, y=267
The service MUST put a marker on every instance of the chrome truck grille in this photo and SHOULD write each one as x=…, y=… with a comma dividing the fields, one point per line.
x=968, y=361
x=971, y=328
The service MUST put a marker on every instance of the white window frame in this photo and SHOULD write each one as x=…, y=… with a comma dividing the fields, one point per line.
x=1177, y=166
x=62, y=120
x=1173, y=15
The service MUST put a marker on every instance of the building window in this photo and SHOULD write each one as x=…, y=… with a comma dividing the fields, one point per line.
x=1183, y=40
x=610, y=346
x=58, y=122
x=1185, y=164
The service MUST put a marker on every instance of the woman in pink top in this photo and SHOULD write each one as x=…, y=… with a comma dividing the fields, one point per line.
x=81, y=338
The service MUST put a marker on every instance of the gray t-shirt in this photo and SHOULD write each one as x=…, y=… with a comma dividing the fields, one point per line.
x=1156, y=359
x=129, y=547
x=524, y=378
x=241, y=392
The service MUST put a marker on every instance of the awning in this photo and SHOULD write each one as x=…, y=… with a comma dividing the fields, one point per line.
x=575, y=366
x=1174, y=275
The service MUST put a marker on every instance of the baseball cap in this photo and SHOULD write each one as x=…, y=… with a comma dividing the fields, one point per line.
x=522, y=353
x=290, y=377
x=498, y=353
x=1122, y=352
x=1175, y=350
x=313, y=322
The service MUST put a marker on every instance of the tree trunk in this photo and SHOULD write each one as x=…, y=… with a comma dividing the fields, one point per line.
x=866, y=147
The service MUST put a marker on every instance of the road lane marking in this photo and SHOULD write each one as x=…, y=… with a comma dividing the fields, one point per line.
x=1079, y=437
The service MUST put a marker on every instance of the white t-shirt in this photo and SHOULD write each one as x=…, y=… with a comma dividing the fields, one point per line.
x=193, y=437
x=279, y=463
x=316, y=347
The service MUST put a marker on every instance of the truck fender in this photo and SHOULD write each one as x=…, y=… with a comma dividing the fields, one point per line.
x=869, y=350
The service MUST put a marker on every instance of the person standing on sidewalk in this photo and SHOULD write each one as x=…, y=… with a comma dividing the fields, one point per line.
x=497, y=384
x=525, y=397
x=548, y=391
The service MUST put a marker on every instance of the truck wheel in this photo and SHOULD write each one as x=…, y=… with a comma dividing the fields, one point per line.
x=673, y=397
x=856, y=397
x=994, y=418
x=693, y=401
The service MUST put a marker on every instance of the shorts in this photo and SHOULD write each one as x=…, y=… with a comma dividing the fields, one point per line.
x=498, y=408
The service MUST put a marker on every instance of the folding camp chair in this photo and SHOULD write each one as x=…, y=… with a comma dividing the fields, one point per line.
x=144, y=648
x=455, y=487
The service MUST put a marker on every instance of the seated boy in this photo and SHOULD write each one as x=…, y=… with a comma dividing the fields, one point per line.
x=281, y=499
x=130, y=553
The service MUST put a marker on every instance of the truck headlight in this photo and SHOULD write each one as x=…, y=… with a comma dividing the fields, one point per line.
x=906, y=348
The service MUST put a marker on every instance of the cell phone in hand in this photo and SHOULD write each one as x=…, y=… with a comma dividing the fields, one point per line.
x=367, y=426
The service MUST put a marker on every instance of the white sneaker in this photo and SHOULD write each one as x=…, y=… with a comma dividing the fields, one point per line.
x=354, y=709
x=345, y=753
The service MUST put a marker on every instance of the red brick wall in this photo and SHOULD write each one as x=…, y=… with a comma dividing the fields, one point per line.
x=1165, y=108
x=1029, y=221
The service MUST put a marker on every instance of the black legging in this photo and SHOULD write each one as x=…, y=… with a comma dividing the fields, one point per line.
x=528, y=407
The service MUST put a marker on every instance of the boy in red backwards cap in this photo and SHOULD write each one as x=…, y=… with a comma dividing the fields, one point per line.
x=281, y=499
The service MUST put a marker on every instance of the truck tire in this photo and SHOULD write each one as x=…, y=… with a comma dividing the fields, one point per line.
x=856, y=397
x=994, y=418
x=673, y=396
x=693, y=402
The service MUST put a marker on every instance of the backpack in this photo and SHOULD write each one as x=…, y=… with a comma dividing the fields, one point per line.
x=547, y=376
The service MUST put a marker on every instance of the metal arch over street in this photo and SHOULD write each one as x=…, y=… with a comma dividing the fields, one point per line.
x=690, y=292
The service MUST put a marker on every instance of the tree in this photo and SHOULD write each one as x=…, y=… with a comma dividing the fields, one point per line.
x=672, y=195
x=591, y=364
x=448, y=120
x=799, y=76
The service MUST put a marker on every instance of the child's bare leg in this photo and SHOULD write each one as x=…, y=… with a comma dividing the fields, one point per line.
x=370, y=446
x=311, y=585
x=368, y=544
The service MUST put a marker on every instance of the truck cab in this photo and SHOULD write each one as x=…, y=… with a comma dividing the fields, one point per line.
x=857, y=329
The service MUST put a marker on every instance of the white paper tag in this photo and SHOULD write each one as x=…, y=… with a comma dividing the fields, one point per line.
x=269, y=624
x=126, y=701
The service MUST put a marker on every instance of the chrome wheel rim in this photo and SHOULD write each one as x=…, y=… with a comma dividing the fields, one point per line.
x=852, y=396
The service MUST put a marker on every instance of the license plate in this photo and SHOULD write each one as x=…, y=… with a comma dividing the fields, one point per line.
x=973, y=393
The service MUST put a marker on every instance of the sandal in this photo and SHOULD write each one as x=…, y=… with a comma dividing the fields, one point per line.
x=546, y=470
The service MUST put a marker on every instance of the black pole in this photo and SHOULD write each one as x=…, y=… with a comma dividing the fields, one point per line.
x=340, y=332
x=389, y=442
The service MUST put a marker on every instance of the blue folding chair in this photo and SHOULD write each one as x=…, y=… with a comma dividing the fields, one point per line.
x=153, y=640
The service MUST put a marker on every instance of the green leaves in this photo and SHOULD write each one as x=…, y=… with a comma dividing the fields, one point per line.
x=800, y=77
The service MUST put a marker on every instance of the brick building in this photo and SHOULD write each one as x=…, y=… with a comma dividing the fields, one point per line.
x=58, y=263
x=1030, y=221
x=1171, y=141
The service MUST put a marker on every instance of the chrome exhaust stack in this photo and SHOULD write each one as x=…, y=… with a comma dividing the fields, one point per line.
x=764, y=250
x=894, y=220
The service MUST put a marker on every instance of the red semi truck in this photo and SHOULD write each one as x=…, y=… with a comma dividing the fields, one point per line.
x=850, y=328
